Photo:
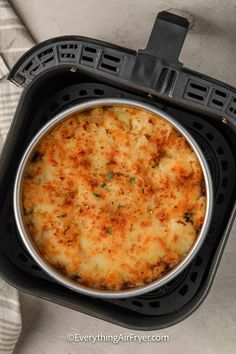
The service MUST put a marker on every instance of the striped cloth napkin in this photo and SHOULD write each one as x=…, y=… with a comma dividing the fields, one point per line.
x=14, y=41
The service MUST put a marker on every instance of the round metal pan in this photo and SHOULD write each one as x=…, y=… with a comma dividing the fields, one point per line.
x=31, y=247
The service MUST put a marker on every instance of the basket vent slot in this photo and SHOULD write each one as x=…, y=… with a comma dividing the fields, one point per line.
x=218, y=99
x=83, y=93
x=108, y=67
x=209, y=136
x=32, y=66
x=68, y=55
x=224, y=165
x=35, y=267
x=86, y=58
x=183, y=290
x=69, y=46
x=46, y=56
x=89, y=56
x=110, y=63
x=193, y=277
x=232, y=107
x=99, y=92
x=90, y=50
x=197, y=125
x=45, y=52
x=166, y=81
x=220, y=150
x=217, y=103
x=154, y=304
x=196, y=91
x=224, y=182
x=137, y=303
x=220, y=199
x=195, y=96
x=162, y=79
x=111, y=58
x=198, y=87
x=68, y=52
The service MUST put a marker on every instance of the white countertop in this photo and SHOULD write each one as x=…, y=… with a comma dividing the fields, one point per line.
x=210, y=47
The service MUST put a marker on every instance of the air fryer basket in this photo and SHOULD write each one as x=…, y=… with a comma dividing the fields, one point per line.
x=63, y=71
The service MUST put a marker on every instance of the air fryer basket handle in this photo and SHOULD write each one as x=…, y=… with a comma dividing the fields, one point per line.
x=167, y=37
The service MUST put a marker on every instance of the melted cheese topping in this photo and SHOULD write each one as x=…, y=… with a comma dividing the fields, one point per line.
x=114, y=197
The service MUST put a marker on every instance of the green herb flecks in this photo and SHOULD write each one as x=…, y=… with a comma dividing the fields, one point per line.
x=142, y=190
x=110, y=175
x=132, y=180
x=103, y=185
x=96, y=195
x=108, y=230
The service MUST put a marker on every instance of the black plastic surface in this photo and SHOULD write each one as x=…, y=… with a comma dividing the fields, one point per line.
x=167, y=37
x=154, y=70
x=164, y=306
x=67, y=70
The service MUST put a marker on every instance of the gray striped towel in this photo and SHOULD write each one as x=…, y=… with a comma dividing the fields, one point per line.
x=14, y=41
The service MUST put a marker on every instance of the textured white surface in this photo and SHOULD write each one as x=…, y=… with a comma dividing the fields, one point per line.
x=210, y=48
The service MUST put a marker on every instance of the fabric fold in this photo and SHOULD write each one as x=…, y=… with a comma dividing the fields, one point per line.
x=14, y=41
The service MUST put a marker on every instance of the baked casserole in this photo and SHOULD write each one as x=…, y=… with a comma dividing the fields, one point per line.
x=114, y=197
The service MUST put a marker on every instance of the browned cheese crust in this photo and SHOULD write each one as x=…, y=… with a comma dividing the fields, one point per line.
x=114, y=197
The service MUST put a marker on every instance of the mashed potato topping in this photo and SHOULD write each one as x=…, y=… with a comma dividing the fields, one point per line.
x=114, y=197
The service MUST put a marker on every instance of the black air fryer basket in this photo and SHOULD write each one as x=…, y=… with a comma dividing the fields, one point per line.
x=63, y=71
